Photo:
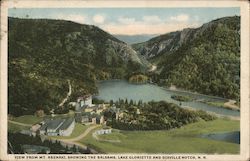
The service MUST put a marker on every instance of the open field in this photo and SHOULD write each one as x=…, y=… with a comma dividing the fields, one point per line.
x=185, y=139
x=182, y=140
x=31, y=119
x=70, y=113
x=16, y=128
x=28, y=119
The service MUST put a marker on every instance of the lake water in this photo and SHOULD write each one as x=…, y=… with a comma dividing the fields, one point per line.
x=115, y=89
x=233, y=137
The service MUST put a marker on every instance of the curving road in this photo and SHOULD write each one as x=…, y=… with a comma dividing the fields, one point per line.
x=19, y=123
x=73, y=141
x=68, y=95
x=84, y=134
x=231, y=104
x=153, y=68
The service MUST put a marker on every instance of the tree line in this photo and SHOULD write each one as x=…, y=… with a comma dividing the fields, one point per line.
x=153, y=116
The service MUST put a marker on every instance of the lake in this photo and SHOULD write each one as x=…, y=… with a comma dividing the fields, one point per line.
x=233, y=137
x=121, y=89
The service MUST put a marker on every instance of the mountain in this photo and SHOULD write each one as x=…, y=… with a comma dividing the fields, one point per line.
x=204, y=59
x=160, y=44
x=44, y=55
x=132, y=39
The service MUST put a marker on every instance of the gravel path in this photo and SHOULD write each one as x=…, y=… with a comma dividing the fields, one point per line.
x=68, y=95
x=19, y=123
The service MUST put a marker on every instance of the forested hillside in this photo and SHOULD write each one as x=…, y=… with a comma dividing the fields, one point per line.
x=205, y=59
x=44, y=54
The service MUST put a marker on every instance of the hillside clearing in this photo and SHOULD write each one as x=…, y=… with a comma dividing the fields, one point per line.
x=182, y=140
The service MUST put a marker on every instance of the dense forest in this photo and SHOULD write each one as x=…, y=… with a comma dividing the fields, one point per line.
x=205, y=59
x=152, y=115
x=138, y=79
x=44, y=54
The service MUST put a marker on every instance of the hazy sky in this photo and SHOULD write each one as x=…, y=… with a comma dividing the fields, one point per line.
x=131, y=21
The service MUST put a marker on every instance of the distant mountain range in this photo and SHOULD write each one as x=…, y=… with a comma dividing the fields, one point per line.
x=204, y=59
x=132, y=39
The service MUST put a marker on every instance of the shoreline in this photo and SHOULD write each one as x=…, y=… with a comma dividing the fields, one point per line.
x=196, y=97
x=167, y=88
x=213, y=113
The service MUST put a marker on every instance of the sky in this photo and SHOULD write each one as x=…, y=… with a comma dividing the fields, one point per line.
x=131, y=21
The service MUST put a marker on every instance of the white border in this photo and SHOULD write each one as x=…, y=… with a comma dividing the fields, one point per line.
x=244, y=7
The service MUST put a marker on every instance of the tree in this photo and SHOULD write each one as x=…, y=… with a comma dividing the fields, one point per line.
x=111, y=102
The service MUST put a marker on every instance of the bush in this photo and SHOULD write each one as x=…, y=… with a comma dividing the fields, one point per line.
x=181, y=98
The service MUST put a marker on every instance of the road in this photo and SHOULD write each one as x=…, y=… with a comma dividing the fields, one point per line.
x=68, y=95
x=73, y=141
x=231, y=104
x=86, y=132
x=153, y=68
x=18, y=123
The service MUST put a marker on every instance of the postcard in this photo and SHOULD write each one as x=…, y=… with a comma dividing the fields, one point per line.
x=124, y=80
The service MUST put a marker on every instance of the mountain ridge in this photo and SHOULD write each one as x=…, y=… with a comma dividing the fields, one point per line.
x=204, y=59
x=43, y=54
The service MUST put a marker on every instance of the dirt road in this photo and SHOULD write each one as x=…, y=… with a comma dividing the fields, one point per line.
x=73, y=141
x=68, y=95
x=18, y=123
x=86, y=132
x=231, y=104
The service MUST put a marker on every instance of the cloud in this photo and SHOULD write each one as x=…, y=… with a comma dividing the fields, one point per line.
x=148, y=25
x=99, y=19
x=131, y=26
x=180, y=18
x=143, y=28
x=144, y=20
x=72, y=17
x=126, y=20
x=151, y=19
x=196, y=18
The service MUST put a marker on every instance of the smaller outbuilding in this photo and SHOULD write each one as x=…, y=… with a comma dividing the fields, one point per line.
x=106, y=130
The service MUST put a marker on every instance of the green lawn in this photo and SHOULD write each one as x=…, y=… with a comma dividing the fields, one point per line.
x=13, y=128
x=183, y=140
x=78, y=130
x=31, y=119
x=218, y=104
x=28, y=119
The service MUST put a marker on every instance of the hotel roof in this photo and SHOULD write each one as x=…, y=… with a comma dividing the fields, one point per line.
x=53, y=124
x=57, y=124
x=67, y=123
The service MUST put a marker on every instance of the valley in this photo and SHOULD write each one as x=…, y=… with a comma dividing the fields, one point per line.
x=55, y=67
